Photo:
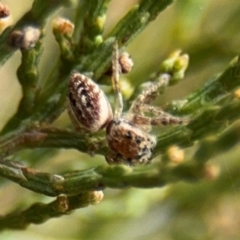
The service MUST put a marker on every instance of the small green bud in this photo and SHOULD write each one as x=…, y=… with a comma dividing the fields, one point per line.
x=168, y=64
x=100, y=21
x=181, y=63
x=126, y=88
x=179, y=68
x=98, y=40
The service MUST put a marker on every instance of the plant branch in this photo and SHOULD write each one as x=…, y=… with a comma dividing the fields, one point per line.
x=215, y=117
x=51, y=100
x=121, y=176
x=47, y=138
x=126, y=30
x=28, y=77
x=212, y=92
x=39, y=212
x=37, y=16
x=94, y=179
x=137, y=19
x=93, y=25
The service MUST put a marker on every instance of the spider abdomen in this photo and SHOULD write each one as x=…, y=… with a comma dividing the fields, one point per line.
x=88, y=103
x=129, y=143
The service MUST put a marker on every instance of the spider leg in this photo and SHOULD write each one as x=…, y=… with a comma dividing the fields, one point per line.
x=156, y=111
x=149, y=94
x=115, y=82
x=165, y=119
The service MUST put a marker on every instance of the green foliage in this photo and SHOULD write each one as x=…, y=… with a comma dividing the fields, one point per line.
x=187, y=156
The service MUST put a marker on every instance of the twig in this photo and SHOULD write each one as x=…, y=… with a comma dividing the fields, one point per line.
x=212, y=92
x=36, y=16
x=39, y=212
x=121, y=176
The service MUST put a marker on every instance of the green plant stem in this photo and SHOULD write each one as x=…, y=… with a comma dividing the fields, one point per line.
x=214, y=145
x=137, y=19
x=93, y=25
x=103, y=54
x=211, y=120
x=213, y=91
x=216, y=118
x=121, y=176
x=27, y=73
x=51, y=100
x=28, y=77
x=127, y=29
x=39, y=212
x=94, y=179
x=45, y=138
x=66, y=46
x=37, y=16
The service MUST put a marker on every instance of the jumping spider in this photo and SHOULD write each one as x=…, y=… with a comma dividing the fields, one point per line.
x=127, y=134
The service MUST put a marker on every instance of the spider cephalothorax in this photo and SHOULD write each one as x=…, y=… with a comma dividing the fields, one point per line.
x=128, y=143
x=127, y=135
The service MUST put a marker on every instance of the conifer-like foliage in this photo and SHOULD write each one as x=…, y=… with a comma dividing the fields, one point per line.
x=49, y=169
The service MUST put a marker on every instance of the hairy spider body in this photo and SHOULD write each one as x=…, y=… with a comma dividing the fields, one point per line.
x=89, y=106
x=127, y=135
x=129, y=143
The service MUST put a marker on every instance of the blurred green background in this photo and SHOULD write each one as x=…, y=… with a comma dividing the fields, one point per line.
x=209, y=32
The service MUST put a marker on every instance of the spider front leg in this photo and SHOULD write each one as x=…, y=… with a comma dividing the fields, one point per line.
x=115, y=82
x=128, y=143
x=149, y=94
x=141, y=106
x=160, y=117
x=165, y=119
